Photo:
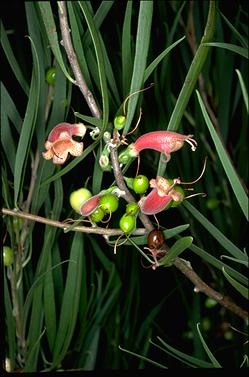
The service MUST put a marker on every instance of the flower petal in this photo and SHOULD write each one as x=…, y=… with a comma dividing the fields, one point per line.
x=90, y=205
x=153, y=203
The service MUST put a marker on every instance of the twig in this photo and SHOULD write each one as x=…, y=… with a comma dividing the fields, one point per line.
x=200, y=285
x=67, y=43
x=58, y=224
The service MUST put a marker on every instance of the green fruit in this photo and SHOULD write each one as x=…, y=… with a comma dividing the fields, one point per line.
x=140, y=184
x=210, y=303
x=127, y=223
x=132, y=208
x=109, y=203
x=119, y=122
x=228, y=335
x=50, y=76
x=78, y=197
x=212, y=203
x=206, y=324
x=176, y=203
x=97, y=215
x=8, y=256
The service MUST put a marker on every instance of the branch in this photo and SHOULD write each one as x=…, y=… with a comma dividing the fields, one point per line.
x=58, y=224
x=200, y=285
x=67, y=43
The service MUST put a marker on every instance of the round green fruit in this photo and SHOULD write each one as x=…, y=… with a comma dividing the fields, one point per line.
x=212, y=203
x=119, y=122
x=140, y=184
x=8, y=256
x=127, y=223
x=109, y=203
x=50, y=76
x=78, y=197
x=97, y=215
x=132, y=208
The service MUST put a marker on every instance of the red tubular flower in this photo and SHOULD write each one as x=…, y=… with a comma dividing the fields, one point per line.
x=60, y=142
x=90, y=205
x=162, y=141
x=159, y=197
x=63, y=130
x=154, y=203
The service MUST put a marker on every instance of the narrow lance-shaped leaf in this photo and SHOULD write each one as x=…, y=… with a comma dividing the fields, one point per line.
x=142, y=46
x=231, y=47
x=100, y=60
x=243, y=89
x=215, y=362
x=48, y=19
x=215, y=232
x=27, y=127
x=178, y=247
x=239, y=287
x=226, y=162
x=12, y=60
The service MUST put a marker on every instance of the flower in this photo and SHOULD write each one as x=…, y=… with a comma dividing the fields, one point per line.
x=162, y=141
x=161, y=195
x=60, y=142
x=90, y=205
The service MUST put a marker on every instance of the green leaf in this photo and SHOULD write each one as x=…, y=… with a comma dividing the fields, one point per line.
x=157, y=60
x=215, y=363
x=77, y=41
x=219, y=264
x=239, y=287
x=6, y=134
x=48, y=19
x=70, y=303
x=49, y=306
x=98, y=18
x=215, y=232
x=191, y=77
x=178, y=247
x=27, y=127
x=126, y=50
x=231, y=47
x=243, y=41
x=9, y=108
x=226, y=162
x=243, y=89
x=183, y=357
x=245, y=263
x=142, y=46
x=12, y=60
x=92, y=120
x=141, y=357
x=10, y=325
x=100, y=60
x=92, y=351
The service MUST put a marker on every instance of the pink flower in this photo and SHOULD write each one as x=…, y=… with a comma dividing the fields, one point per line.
x=161, y=195
x=162, y=141
x=60, y=142
x=90, y=205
